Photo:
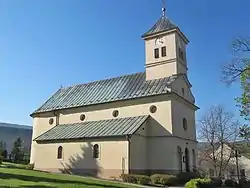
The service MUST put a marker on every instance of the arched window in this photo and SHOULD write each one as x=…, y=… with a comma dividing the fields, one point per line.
x=179, y=158
x=187, y=160
x=59, y=152
x=96, y=151
x=184, y=123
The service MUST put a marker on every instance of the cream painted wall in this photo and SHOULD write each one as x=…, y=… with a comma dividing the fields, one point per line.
x=163, y=153
x=171, y=63
x=108, y=164
x=158, y=146
x=180, y=111
x=177, y=86
x=139, y=159
x=169, y=42
x=161, y=125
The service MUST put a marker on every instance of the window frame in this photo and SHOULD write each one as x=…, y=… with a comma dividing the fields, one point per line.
x=156, y=53
x=163, y=51
x=60, y=153
x=96, y=151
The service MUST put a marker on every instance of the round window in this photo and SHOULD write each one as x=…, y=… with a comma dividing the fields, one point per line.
x=115, y=113
x=51, y=121
x=82, y=117
x=153, y=109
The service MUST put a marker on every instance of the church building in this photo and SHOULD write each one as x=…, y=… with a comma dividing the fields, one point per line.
x=137, y=123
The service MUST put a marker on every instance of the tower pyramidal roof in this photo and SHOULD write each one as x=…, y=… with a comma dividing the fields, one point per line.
x=163, y=24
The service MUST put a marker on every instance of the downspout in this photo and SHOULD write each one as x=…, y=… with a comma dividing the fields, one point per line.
x=56, y=114
x=128, y=137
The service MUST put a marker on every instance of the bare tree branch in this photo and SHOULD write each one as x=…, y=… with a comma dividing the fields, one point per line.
x=219, y=130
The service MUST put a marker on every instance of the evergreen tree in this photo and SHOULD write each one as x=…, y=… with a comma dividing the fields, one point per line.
x=17, y=151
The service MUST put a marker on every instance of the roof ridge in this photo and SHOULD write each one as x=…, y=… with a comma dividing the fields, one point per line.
x=105, y=79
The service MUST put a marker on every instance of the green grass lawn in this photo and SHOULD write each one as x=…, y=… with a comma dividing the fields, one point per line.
x=16, y=176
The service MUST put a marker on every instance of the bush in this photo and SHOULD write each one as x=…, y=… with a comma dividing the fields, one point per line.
x=30, y=166
x=216, y=181
x=184, y=177
x=142, y=179
x=164, y=179
x=1, y=159
x=230, y=183
x=156, y=178
x=129, y=178
x=139, y=179
x=169, y=180
x=199, y=183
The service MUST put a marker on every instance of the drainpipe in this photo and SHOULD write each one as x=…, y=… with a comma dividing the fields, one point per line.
x=128, y=137
x=56, y=114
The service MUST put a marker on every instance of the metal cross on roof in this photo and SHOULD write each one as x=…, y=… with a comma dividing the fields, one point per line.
x=163, y=7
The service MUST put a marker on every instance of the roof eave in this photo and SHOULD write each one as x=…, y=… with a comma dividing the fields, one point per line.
x=83, y=138
x=176, y=29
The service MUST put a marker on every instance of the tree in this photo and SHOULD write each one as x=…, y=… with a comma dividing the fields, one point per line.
x=17, y=151
x=219, y=131
x=2, y=147
x=239, y=70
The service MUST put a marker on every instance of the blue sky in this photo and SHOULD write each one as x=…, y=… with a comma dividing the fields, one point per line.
x=45, y=44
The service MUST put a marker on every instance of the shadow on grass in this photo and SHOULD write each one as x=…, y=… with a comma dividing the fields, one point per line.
x=51, y=180
x=29, y=186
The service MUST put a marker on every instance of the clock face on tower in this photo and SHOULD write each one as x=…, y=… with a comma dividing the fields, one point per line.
x=159, y=41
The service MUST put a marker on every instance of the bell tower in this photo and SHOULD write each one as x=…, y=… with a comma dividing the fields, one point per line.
x=165, y=49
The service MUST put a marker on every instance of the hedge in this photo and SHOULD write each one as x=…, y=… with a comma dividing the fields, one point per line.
x=199, y=183
x=139, y=179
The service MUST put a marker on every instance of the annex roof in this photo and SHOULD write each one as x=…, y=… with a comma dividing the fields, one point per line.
x=108, y=90
x=94, y=129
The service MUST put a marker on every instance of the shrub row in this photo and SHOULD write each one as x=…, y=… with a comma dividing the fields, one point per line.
x=199, y=183
x=161, y=179
x=215, y=182
x=140, y=179
x=1, y=159
x=164, y=179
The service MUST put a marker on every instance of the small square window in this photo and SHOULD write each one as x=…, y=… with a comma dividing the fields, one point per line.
x=181, y=54
x=157, y=53
x=163, y=51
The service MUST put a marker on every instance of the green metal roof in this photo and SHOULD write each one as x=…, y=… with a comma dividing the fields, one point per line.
x=109, y=90
x=163, y=24
x=94, y=129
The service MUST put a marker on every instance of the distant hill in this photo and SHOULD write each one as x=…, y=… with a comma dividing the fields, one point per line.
x=11, y=125
x=10, y=132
